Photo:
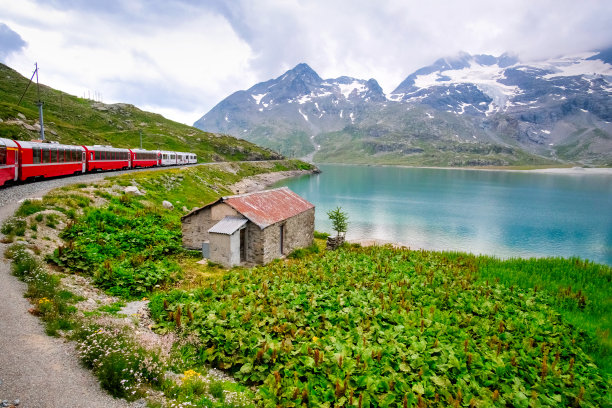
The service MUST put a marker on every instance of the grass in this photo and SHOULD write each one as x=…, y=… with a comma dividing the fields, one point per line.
x=53, y=305
x=580, y=291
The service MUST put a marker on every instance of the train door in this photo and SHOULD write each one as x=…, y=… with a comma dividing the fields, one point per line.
x=83, y=158
x=16, y=165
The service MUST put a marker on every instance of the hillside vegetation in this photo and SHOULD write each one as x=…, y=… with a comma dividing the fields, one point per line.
x=73, y=120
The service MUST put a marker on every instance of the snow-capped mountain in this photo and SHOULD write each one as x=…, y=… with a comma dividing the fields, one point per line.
x=286, y=113
x=465, y=110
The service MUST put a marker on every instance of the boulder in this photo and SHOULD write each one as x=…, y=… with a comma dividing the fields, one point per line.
x=167, y=204
x=21, y=116
x=133, y=190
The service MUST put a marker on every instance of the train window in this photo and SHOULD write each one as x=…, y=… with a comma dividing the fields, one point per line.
x=45, y=155
x=53, y=155
x=35, y=155
x=2, y=155
x=60, y=155
x=97, y=155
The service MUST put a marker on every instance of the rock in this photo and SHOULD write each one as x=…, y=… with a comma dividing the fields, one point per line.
x=28, y=127
x=167, y=204
x=16, y=402
x=185, y=209
x=1, y=120
x=133, y=190
x=21, y=116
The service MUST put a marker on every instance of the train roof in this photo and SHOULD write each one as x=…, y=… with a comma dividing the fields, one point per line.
x=103, y=147
x=144, y=151
x=7, y=143
x=30, y=145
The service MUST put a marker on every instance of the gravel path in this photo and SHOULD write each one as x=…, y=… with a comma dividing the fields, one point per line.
x=38, y=370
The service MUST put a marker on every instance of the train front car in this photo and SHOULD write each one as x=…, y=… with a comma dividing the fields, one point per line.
x=106, y=158
x=145, y=158
x=9, y=161
x=43, y=160
x=192, y=158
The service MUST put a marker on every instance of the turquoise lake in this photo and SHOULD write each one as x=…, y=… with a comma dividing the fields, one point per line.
x=505, y=214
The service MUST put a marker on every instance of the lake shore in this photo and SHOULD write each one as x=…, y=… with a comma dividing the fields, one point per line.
x=263, y=181
x=602, y=171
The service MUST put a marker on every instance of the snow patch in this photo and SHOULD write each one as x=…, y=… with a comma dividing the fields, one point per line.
x=303, y=115
x=545, y=131
x=226, y=118
x=352, y=116
x=483, y=76
x=429, y=115
x=258, y=97
x=575, y=65
x=584, y=110
x=341, y=112
x=303, y=99
x=463, y=106
x=347, y=89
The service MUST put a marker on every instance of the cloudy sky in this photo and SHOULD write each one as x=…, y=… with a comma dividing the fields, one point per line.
x=181, y=57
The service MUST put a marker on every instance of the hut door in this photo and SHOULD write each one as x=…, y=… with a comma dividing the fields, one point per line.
x=243, y=245
x=282, y=239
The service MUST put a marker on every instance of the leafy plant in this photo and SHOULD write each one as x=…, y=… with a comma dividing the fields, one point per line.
x=380, y=327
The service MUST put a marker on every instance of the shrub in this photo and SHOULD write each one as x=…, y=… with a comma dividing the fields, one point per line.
x=29, y=207
x=121, y=366
x=14, y=226
x=321, y=235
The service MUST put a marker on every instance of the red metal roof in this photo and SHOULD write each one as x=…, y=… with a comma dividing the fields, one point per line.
x=268, y=207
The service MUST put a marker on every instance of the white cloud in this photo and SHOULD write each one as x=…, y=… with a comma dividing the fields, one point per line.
x=192, y=63
x=180, y=58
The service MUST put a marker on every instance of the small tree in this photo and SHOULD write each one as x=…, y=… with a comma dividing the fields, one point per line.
x=339, y=220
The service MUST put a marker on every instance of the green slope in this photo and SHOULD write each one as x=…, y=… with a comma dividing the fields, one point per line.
x=73, y=120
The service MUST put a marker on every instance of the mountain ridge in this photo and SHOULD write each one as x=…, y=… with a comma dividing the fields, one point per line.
x=555, y=111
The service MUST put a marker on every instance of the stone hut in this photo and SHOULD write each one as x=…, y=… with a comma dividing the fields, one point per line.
x=250, y=228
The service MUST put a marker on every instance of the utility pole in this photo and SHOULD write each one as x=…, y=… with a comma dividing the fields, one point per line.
x=39, y=103
x=140, y=131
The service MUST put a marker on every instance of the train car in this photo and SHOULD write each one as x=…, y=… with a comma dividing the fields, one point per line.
x=145, y=158
x=107, y=158
x=42, y=160
x=9, y=161
x=192, y=158
x=181, y=158
x=168, y=158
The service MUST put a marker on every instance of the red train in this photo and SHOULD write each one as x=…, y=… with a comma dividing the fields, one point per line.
x=20, y=161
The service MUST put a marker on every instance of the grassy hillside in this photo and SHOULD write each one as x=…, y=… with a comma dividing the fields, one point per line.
x=73, y=120
x=415, y=137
